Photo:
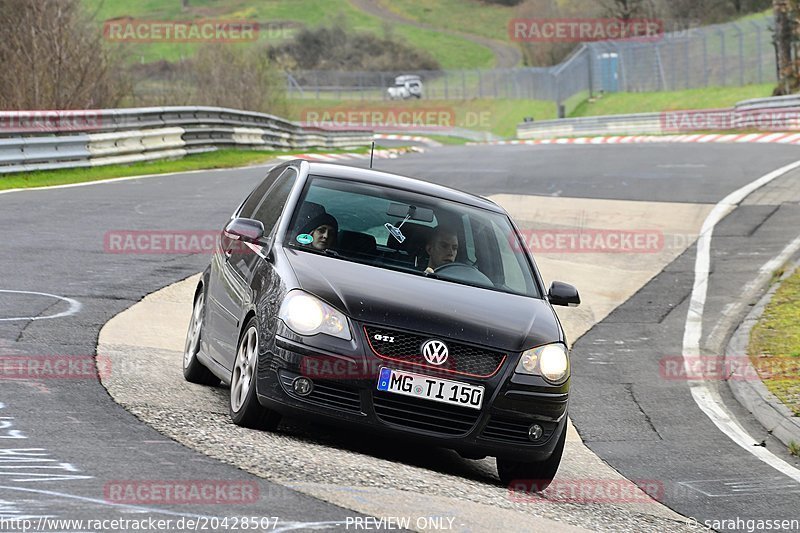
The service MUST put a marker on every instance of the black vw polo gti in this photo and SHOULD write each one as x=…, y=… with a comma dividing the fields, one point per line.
x=383, y=301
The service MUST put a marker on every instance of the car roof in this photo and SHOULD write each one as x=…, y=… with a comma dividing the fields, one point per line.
x=376, y=177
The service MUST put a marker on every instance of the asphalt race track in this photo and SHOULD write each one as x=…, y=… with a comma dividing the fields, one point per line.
x=75, y=440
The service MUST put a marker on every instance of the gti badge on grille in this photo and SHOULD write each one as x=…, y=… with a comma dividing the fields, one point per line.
x=435, y=352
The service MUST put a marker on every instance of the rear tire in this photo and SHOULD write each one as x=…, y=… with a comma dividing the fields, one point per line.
x=535, y=476
x=193, y=369
x=244, y=407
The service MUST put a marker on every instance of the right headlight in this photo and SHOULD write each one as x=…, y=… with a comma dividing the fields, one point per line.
x=550, y=361
x=307, y=315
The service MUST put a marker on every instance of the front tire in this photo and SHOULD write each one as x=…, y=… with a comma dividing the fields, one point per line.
x=244, y=407
x=193, y=369
x=535, y=476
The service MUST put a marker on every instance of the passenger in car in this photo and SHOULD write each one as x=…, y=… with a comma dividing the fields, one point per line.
x=442, y=248
x=323, y=229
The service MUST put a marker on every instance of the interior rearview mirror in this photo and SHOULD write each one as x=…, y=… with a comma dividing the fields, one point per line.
x=422, y=214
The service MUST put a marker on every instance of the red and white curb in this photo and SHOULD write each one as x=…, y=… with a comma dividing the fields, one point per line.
x=413, y=138
x=781, y=138
x=379, y=154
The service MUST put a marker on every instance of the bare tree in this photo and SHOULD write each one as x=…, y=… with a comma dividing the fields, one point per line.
x=787, y=13
x=628, y=9
x=53, y=58
x=230, y=76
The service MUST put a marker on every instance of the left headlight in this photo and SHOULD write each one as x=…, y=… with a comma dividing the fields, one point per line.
x=307, y=315
x=550, y=361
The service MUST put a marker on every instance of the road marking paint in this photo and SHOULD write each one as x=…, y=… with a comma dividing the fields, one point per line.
x=266, y=166
x=705, y=397
x=772, y=137
x=74, y=306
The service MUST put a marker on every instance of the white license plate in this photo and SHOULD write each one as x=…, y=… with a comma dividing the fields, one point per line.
x=430, y=388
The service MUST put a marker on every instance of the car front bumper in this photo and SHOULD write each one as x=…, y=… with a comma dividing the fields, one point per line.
x=346, y=392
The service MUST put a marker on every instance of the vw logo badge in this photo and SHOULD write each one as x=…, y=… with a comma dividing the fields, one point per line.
x=435, y=352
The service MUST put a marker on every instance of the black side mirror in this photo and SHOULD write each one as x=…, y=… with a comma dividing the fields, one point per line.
x=245, y=230
x=563, y=294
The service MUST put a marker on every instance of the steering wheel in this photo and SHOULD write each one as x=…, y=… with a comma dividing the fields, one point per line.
x=465, y=272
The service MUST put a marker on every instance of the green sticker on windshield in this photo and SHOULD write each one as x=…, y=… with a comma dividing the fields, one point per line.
x=305, y=238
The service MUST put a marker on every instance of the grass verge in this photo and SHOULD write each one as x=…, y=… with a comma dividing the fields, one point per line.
x=775, y=343
x=228, y=158
x=705, y=98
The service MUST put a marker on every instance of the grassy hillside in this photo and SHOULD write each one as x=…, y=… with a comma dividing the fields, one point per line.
x=706, y=98
x=277, y=18
x=468, y=16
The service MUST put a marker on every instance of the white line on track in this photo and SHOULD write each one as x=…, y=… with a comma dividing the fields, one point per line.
x=704, y=396
x=266, y=166
x=74, y=306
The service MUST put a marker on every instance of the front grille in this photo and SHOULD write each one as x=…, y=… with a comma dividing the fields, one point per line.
x=424, y=414
x=407, y=348
x=325, y=393
x=508, y=430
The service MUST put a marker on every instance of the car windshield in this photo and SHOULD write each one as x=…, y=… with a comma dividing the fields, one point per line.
x=401, y=230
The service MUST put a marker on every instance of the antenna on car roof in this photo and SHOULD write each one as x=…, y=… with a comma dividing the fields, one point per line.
x=371, y=154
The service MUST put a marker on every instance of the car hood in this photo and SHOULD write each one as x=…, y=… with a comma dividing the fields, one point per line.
x=412, y=302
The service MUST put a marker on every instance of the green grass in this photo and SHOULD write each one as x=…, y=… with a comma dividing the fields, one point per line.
x=467, y=16
x=706, y=98
x=226, y=158
x=451, y=51
x=794, y=448
x=775, y=343
x=447, y=140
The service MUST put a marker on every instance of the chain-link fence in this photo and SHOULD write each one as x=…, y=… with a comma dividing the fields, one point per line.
x=732, y=54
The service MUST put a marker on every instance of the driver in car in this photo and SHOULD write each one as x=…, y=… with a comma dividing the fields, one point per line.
x=442, y=248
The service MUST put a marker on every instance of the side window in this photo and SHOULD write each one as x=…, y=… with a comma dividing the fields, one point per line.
x=269, y=210
x=512, y=270
x=249, y=206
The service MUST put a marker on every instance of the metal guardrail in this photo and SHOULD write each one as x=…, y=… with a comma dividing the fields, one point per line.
x=774, y=102
x=45, y=140
x=636, y=124
x=745, y=112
